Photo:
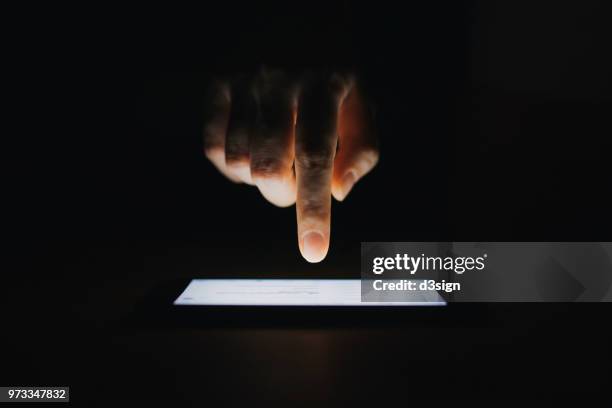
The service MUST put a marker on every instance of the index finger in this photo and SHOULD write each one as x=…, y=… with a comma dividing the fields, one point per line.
x=315, y=147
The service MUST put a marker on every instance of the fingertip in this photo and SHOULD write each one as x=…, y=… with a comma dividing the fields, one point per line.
x=314, y=246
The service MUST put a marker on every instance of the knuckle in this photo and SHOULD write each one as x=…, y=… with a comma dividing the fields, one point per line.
x=236, y=161
x=313, y=207
x=236, y=156
x=266, y=167
x=315, y=160
x=315, y=146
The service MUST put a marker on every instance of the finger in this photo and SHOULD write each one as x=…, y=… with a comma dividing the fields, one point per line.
x=216, y=116
x=272, y=143
x=357, y=146
x=315, y=146
x=240, y=126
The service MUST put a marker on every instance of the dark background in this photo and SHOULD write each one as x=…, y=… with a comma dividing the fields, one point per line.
x=494, y=119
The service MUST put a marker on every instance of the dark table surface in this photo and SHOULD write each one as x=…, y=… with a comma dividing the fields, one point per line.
x=67, y=327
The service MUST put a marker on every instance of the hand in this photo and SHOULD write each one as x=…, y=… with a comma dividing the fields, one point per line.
x=299, y=141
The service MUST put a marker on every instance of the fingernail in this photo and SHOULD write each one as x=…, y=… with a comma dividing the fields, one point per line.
x=314, y=247
x=348, y=181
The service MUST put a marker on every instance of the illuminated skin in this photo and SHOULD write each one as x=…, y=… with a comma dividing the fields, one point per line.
x=298, y=141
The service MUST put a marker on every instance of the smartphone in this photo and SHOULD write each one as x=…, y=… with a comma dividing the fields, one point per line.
x=292, y=292
x=215, y=302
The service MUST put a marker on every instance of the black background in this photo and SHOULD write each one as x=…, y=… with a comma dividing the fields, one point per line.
x=495, y=125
